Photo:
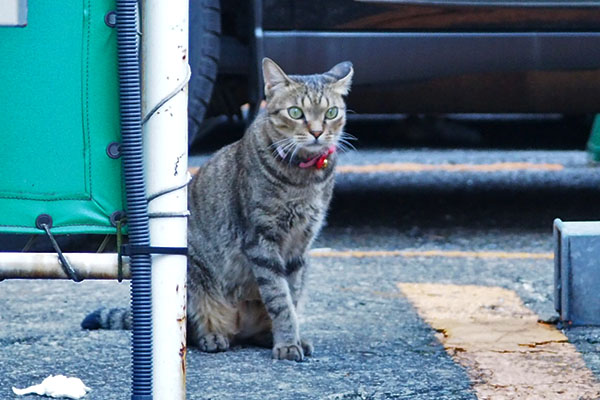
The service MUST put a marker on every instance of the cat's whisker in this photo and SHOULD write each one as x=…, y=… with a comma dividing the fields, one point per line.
x=344, y=145
x=282, y=148
x=348, y=136
x=285, y=150
x=291, y=144
x=345, y=140
x=278, y=145
x=345, y=149
x=281, y=142
x=342, y=149
x=275, y=151
x=341, y=144
x=296, y=148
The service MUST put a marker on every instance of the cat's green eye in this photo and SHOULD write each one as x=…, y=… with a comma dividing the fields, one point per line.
x=295, y=112
x=331, y=113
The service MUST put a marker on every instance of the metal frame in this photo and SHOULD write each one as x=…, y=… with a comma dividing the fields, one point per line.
x=420, y=56
x=48, y=266
x=577, y=272
x=495, y=3
x=165, y=68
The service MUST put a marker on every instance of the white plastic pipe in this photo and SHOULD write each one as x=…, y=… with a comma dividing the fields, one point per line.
x=47, y=266
x=164, y=68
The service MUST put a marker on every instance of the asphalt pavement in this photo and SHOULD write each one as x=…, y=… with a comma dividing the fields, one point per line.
x=405, y=222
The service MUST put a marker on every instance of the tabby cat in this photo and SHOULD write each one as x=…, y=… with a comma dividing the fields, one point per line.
x=256, y=207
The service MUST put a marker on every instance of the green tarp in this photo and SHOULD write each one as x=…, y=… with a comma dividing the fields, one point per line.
x=59, y=111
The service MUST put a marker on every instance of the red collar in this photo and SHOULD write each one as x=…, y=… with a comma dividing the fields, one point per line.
x=319, y=161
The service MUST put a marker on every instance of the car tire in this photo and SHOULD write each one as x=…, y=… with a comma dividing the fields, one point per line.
x=205, y=29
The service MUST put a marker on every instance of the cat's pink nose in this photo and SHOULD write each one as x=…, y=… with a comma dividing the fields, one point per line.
x=316, y=134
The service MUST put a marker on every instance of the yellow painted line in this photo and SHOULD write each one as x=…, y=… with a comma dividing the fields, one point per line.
x=506, y=352
x=430, y=253
x=420, y=167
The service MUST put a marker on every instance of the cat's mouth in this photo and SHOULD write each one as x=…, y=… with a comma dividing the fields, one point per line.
x=308, y=154
x=320, y=160
x=316, y=146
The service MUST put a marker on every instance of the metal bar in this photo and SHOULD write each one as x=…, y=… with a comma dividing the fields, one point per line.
x=255, y=83
x=130, y=100
x=48, y=266
x=71, y=273
x=494, y=3
x=417, y=56
x=165, y=68
x=556, y=232
x=577, y=275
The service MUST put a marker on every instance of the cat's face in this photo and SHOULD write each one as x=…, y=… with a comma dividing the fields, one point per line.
x=308, y=111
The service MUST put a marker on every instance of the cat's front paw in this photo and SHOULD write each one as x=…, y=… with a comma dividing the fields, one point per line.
x=288, y=351
x=307, y=347
x=213, y=342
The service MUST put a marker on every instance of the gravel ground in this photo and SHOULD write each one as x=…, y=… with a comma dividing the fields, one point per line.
x=369, y=341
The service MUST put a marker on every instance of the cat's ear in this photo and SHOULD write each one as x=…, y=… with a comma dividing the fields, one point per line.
x=273, y=75
x=343, y=73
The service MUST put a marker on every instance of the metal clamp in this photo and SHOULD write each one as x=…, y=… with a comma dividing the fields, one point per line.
x=44, y=222
x=119, y=254
x=129, y=250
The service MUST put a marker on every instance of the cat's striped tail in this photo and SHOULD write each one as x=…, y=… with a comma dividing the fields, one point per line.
x=108, y=318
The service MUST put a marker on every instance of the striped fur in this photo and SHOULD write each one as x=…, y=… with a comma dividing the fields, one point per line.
x=255, y=216
x=255, y=213
x=105, y=318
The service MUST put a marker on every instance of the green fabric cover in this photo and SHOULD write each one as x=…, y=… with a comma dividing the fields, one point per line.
x=59, y=112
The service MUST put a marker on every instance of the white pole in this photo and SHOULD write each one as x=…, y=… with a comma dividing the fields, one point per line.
x=164, y=69
x=47, y=266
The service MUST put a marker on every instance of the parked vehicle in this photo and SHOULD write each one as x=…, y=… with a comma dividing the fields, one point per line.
x=410, y=56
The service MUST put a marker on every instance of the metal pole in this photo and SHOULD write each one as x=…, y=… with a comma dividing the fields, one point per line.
x=137, y=205
x=164, y=70
x=47, y=266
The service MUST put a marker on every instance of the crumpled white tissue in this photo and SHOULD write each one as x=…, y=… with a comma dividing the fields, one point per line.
x=57, y=386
